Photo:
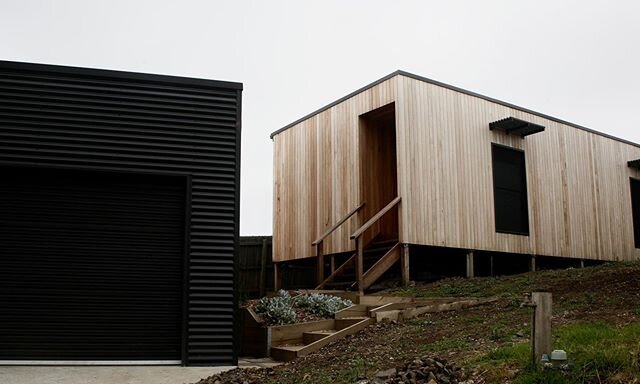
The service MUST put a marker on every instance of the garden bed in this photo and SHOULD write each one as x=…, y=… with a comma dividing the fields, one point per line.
x=267, y=321
x=300, y=307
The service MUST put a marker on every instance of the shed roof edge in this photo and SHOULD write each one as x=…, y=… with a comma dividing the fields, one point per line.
x=118, y=74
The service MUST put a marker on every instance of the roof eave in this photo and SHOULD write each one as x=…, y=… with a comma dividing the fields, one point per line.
x=340, y=100
x=456, y=89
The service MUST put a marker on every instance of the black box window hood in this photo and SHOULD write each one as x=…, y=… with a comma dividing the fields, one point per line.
x=511, y=125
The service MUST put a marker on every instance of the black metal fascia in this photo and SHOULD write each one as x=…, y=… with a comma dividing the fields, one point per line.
x=340, y=100
x=112, y=73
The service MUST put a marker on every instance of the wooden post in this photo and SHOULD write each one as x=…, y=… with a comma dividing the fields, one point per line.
x=491, y=265
x=320, y=265
x=360, y=264
x=541, y=336
x=404, y=265
x=333, y=264
x=470, y=272
x=532, y=264
x=581, y=263
x=277, y=283
x=263, y=268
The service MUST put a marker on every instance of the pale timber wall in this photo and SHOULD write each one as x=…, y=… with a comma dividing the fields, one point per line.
x=317, y=176
x=578, y=181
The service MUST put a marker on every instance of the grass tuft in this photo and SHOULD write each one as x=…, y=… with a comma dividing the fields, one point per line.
x=596, y=351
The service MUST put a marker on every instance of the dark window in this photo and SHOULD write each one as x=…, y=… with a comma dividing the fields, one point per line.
x=635, y=204
x=510, y=190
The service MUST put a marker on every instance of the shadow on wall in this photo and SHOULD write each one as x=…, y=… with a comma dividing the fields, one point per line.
x=434, y=263
x=426, y=264
x=298, y=274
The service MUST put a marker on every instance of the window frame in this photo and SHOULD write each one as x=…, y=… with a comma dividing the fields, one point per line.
x=494, y=188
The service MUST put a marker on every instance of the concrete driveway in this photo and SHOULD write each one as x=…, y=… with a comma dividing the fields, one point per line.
x=106, y=375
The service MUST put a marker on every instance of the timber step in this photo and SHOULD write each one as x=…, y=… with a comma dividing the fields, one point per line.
x=380, y=247
x=356, y=310
x=286, y=352
x=377, y=259
x=310, y=337
x=292, y=341
x=344, y=283
x=368, y=260
x=344, y=324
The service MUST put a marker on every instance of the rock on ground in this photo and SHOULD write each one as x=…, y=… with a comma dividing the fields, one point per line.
x=427, y=370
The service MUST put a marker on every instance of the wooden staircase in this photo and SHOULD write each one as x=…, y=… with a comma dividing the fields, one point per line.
x=378, y=257
x=368, y=263
x=315, y=335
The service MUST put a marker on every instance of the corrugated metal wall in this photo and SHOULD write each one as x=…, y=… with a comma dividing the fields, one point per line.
x=117, y=121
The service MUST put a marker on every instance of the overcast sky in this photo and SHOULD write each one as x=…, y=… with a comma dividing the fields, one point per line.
x=576, y=60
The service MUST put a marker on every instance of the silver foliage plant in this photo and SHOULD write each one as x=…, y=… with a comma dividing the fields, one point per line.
x=279, y=310
x=319, y=304
x=276, y=310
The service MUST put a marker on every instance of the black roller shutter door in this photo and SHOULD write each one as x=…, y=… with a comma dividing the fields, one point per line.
x=91, y=265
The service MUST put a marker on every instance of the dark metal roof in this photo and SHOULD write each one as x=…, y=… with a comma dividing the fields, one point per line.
x=453, y=88
x=111, y=74
x=511, y=125
x=634, y=164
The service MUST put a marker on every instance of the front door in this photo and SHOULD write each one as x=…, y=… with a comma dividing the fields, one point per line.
x=378, y=176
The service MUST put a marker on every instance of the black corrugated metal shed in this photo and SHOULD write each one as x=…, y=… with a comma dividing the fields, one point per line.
x=120, y=209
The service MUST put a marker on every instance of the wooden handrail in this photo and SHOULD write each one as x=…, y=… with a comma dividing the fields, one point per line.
x=375, y=218
x=338, y=224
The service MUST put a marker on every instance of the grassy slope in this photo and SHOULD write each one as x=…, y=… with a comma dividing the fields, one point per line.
x=599, y=351
x=596, y=320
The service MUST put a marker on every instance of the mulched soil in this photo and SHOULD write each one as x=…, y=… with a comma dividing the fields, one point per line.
x=606, y=293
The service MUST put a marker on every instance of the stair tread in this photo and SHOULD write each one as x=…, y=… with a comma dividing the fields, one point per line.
x=292, y=351
x=358, y=307
x=323, y=331
x=381, y=245
x=373, y=253
x=293, y=347
x=345, y=284
x=379, y=249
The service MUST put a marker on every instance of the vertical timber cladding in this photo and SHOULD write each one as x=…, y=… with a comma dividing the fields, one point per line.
x=117, y=122
x=577, y=178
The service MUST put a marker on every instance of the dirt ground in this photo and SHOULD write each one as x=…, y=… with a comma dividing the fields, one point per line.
x=609, y=293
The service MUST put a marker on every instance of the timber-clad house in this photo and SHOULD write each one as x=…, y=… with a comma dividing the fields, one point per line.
x=408, y=170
